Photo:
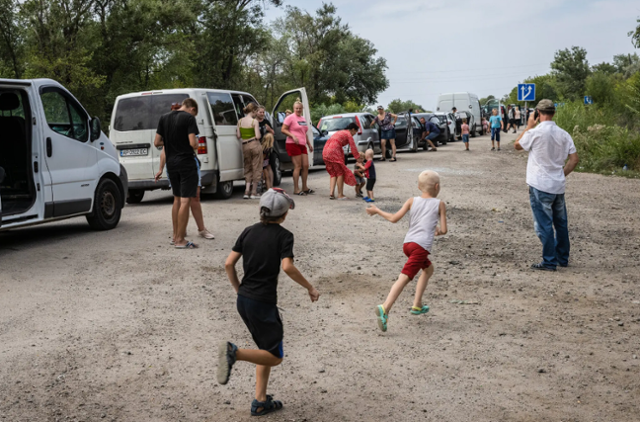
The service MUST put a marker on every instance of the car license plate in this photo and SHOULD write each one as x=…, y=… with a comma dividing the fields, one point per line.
x=133, y=152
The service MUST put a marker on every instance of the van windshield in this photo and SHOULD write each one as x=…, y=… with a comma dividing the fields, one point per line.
x=143, y=113
x=332, y=124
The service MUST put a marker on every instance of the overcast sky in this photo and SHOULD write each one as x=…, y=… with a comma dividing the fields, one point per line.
x=483, y=47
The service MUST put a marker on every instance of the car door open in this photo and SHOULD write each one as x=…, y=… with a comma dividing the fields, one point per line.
x=285, y=102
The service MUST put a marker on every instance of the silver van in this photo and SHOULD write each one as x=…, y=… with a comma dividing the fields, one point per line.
x=368, y=133
x=135, y=119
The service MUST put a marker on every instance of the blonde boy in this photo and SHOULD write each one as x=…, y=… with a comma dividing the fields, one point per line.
x=425, y=212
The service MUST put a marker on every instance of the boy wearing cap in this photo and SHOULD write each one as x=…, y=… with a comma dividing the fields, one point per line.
x=263, y=247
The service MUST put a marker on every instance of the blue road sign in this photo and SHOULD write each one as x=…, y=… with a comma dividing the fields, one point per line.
x=526, y=92
x=588, y=100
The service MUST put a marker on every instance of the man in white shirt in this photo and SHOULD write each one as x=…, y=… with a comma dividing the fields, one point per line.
x=548, y=146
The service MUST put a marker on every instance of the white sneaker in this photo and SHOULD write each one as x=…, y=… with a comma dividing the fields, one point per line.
x=206, y=234
x=246, y=196
x=255, y=196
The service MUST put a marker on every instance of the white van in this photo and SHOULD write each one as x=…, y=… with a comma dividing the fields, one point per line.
x=463, y=101
x=134, y=121
x=55, y=162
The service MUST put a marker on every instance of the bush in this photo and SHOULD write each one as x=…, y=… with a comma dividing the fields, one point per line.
x=602, y=144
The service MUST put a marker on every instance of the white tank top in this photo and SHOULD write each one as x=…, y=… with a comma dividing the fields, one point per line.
x=424, y=216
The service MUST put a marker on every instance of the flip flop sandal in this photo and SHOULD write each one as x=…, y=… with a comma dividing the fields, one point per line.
x=309, y=191
x=301, y=194
x=189, y=245
x=332, y=197
x=419, y=311
x=393, y=160
x=268, y=406
x=172, y=243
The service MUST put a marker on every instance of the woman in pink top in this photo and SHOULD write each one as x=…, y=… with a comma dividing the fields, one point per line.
x=295, y=126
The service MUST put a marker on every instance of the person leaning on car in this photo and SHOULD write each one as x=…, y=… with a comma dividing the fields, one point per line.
x=431, y=132
x=548, y=146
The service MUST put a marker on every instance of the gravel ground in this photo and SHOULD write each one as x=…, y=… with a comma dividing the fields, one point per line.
x=119, y=326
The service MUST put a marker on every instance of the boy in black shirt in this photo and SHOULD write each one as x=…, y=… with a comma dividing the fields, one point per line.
x=177, y=133
x=263, y=246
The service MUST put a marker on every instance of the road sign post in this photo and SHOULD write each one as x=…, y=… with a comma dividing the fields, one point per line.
x=526, y=92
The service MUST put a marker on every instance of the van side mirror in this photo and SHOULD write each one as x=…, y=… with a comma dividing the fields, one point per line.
x=95, y=128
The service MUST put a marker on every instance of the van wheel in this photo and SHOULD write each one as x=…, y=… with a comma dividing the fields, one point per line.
x=277, y=173
x=135, y=196
x=107, y=206
x=224, y=190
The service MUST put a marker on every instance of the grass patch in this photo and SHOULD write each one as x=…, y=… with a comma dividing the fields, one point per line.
x=604, y=146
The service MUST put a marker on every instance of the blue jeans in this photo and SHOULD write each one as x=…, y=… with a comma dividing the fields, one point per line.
x=549, y=212
x=495, y=134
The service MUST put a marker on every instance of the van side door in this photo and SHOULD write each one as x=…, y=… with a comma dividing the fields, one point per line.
x=223, y=111
x=70, y=157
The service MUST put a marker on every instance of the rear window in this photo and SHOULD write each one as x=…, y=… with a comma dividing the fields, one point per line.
x=331, y=124
x=143, y=113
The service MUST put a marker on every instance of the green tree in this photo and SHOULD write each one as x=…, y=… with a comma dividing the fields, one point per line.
x=635, y=35
x=398, y=106
x=571, y=68
x=11, y=40
x=627, y=64
x=601, y=87
x=604, y=67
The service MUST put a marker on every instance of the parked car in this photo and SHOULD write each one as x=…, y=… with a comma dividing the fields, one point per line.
x=463, y=101
x=56, y=162
x=135, y=119
x=439, y=120
x=367, y=136
x=319, y=141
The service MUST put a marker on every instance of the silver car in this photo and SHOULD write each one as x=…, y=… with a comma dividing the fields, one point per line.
x=367, y=136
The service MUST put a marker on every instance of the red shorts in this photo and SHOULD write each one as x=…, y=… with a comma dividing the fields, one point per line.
x=418, y=259
x=294, y=149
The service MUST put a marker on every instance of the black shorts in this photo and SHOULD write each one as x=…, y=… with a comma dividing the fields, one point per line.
x=370, y=183
x=183, y=176
x=264, y=323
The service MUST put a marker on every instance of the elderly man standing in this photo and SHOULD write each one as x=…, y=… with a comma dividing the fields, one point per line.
x=548, y=146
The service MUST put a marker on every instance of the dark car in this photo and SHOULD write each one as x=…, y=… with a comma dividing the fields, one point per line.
x=406, y=140
x=438, y=120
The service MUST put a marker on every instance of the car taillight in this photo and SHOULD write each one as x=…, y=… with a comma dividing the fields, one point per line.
x=202, y=145
x=359, y=126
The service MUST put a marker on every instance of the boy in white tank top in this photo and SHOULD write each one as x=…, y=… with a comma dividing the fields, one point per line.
x=425, y=213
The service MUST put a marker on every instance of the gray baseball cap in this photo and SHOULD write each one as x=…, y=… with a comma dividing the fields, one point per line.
x=380, y=107
x=546, y=105
x=277, y=202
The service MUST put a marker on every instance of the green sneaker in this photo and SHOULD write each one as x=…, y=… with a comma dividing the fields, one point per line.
x=382, y=317
x=419, y=311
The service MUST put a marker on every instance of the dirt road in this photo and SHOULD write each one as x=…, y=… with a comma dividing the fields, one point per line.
x=119, y=326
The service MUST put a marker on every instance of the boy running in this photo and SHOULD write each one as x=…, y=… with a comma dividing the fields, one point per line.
x=263, y=246
x=425, y=213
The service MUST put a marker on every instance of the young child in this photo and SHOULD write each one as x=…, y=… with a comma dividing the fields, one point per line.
x=370, y=173
x=465, y=134
x=263, y=246
x=425, y=213
x=357, y=171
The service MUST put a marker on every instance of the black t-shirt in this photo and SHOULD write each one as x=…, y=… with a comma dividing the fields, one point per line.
x=263, y=127
x=263, y=247
x=175, y=128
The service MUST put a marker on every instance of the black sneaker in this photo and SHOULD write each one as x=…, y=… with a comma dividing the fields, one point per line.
x=541, y=267
x=226, y=359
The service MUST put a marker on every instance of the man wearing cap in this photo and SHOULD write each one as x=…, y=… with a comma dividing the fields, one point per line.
x=548, y=146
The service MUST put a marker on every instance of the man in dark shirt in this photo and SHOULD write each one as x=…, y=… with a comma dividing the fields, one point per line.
x=430, y=132
x=177, y=133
